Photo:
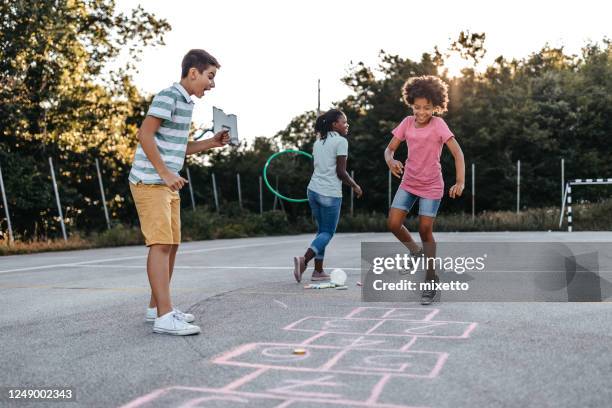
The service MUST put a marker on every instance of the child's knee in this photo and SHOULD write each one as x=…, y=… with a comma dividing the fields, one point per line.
x=327, y=236
x=162, y=248
x=394, y=225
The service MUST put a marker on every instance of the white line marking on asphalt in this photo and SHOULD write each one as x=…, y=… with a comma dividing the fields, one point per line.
x=205, y=267
x=192, y=251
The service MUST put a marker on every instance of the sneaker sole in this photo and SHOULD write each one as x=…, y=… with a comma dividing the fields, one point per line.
x=186, y=332
x=319, y=279
x=152, y=320
x=296, y=269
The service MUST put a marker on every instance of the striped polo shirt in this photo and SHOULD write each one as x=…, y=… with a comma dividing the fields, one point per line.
x=174, y=106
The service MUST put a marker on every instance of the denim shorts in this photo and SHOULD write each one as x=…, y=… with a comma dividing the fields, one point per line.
x=404, y=200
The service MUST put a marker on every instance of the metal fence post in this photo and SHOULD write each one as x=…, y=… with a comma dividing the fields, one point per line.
x=389, y=190
x=214, y=182
x=562, y=179
x=6, y=209
x=108, y=225
x=352, y=192
x=473, y=191
x=260, y=197
x=57, y=199
x=275, y=197
x=239, y=190
x=518, y=185
x=190, y=188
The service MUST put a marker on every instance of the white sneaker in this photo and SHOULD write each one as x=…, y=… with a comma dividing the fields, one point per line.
x=172, y=323
x=151, y=315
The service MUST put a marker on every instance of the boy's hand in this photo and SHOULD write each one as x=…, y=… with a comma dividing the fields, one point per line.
x=174, y=182
x=456, y=190
x=221, y=138
x=396, y=167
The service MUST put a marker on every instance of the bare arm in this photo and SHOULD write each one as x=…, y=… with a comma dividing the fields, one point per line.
x=345, y=177
x=146, y=137
x=396, y=167
x=457, y=189
x=220, y=139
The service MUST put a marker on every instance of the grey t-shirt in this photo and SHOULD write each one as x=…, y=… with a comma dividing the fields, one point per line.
x=324, y=179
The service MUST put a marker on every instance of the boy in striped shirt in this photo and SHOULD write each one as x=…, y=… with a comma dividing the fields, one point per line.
x=154, y=182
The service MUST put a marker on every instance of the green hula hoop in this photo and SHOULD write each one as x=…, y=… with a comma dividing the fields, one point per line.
x=265, y=176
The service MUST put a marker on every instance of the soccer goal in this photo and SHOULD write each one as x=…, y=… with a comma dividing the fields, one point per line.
x=567, y=197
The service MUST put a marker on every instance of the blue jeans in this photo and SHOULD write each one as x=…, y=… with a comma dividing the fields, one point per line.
x=326, y=211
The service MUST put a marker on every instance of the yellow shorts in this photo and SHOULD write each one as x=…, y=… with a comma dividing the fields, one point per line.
x=159, y=212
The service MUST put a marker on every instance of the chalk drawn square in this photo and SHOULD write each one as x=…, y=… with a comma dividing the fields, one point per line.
x=449, y=330
x=279, y=356
x=202, y=397
x=358, y=341
x=333, y=325
x=318, y=404
x=425, y=364
x=343, y=389
x=403, y=313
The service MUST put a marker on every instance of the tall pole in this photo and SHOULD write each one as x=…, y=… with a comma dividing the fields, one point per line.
x=389, y=189
x=260, y=197
x=282, y=206
x=190, y=188
x=518, y=185
x=239, y=190
x=562, y=181
x=352, y=192
x=318, y=97
x=108, y=225
x=57, y=199
x=473, y=191
x=275, y=198
x=215, y=192
x=6, y=209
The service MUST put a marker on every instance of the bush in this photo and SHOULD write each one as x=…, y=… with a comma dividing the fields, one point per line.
x=117, y=236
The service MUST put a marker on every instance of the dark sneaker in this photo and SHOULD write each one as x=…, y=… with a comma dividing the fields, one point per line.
x=319, y=276
x=299, y=266
x=413, y=257
x=429, y=295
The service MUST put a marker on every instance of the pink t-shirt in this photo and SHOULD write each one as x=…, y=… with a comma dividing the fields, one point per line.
x=422, y=171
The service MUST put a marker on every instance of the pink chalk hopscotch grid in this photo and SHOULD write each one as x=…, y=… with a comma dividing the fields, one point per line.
x=370, y=344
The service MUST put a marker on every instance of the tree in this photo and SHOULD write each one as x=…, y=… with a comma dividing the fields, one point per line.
x=56, y=100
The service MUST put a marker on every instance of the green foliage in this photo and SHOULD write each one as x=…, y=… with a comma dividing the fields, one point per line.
x=203, y=224
x=57, y=100
x=118, y=235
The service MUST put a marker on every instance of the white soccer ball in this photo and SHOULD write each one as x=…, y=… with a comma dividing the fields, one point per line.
x=338, y=277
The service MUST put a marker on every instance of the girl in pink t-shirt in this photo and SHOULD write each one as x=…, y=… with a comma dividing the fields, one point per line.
x=425, y=135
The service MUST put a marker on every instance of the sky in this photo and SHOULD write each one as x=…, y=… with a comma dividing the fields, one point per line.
x=273, y=52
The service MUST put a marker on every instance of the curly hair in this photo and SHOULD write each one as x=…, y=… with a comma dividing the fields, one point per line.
x=429, y=87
